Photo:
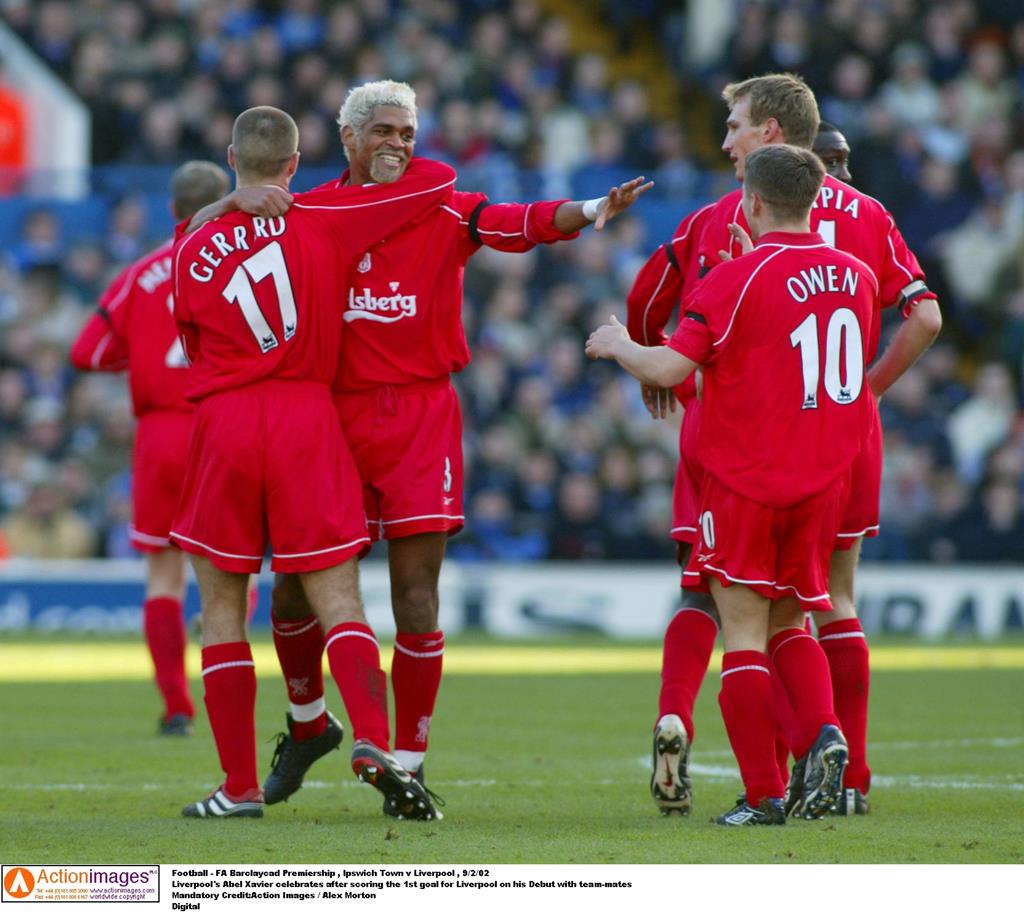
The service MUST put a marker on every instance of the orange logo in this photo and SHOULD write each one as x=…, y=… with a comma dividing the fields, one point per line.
x=19, y=882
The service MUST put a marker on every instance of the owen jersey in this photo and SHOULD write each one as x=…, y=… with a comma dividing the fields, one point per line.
x=782, y=334
x=403, y=305
x=848, y=220
x=258, y=299
x=133, y=328
x=659, y=287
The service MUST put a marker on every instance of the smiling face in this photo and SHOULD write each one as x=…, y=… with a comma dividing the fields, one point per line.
x=380, y=151
x=742, y=137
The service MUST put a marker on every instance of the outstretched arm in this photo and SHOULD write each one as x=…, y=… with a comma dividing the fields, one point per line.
x=571, y=217
x=659, y=366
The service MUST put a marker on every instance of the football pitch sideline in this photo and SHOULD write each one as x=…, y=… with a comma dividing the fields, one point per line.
x=540, y=751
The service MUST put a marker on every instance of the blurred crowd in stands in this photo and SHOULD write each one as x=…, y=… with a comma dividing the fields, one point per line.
x=562, y=459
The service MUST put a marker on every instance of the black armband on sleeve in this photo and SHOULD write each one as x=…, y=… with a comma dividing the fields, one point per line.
x=671, y=255
x=912, y=292
x=696, y=316
x=474, y=219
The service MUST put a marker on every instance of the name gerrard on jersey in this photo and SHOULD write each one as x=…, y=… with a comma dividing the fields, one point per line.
x=261, y=228
x=385, y=309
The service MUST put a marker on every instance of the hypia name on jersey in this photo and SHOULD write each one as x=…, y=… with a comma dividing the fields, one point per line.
x=236, y=239
x=835, y=198
x=819, y=279
x=383, y=308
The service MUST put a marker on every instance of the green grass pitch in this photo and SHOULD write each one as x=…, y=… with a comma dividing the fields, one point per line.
x=535, y=766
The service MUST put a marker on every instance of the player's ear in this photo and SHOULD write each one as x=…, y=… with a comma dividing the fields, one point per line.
x=231, y=156
x=772, y=132
x=293, y=163
x=756, y=203
x=348, y=137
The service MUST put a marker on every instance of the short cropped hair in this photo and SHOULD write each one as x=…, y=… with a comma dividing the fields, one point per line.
x=360, y=102
x=195, y=185
x=786, y=178
x=264, y=139
x=783, y=96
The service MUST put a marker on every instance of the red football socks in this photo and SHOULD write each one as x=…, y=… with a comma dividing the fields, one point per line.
x=785, y=726
x=415, y=680
x=164, y=626
x=847, y=651
x=354, y=656
x=689, y=640
x=802, y=668
x=748, y=712
x=229, y=680
x=300, y=647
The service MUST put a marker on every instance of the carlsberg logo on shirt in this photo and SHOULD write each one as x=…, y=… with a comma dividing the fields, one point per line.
x=385, y=309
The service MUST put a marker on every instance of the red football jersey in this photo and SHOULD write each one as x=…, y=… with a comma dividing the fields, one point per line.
x=134, y=328
x=259, y=298
x=848, y=220
x=403, y=306
x=659, y=287
x=782, y=334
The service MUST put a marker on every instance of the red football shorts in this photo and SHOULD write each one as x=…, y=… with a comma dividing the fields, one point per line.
x=158, y=469
x=268, y=462
x=689, y=477
x=776, y=552
x=860, y=517
x=407, y=444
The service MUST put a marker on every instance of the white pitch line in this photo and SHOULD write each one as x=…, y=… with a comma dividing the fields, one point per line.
x=195, y=785
x=718, y=773
x=714, y=773
x=997, y=742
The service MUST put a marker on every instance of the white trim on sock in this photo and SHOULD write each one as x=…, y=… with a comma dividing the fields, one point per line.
x=303, y=714
x=409, y=760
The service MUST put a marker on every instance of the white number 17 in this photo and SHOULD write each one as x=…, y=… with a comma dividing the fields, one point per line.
x=267, y=262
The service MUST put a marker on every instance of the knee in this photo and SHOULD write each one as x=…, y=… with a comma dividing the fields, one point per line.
x=844, y=605
x=223, y=622
x=702, y=602
x=287, y=600
x=165, y=575
x=416, y=608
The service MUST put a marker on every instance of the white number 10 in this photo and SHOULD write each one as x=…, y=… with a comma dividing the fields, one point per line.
x=842, y=329
x=264, y=263
x=827, y=230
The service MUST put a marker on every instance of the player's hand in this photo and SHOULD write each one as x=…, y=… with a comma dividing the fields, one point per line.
x=620, y=199
x=740, y=234
x=267, y=200
x=602, y=342
x=660, y=401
